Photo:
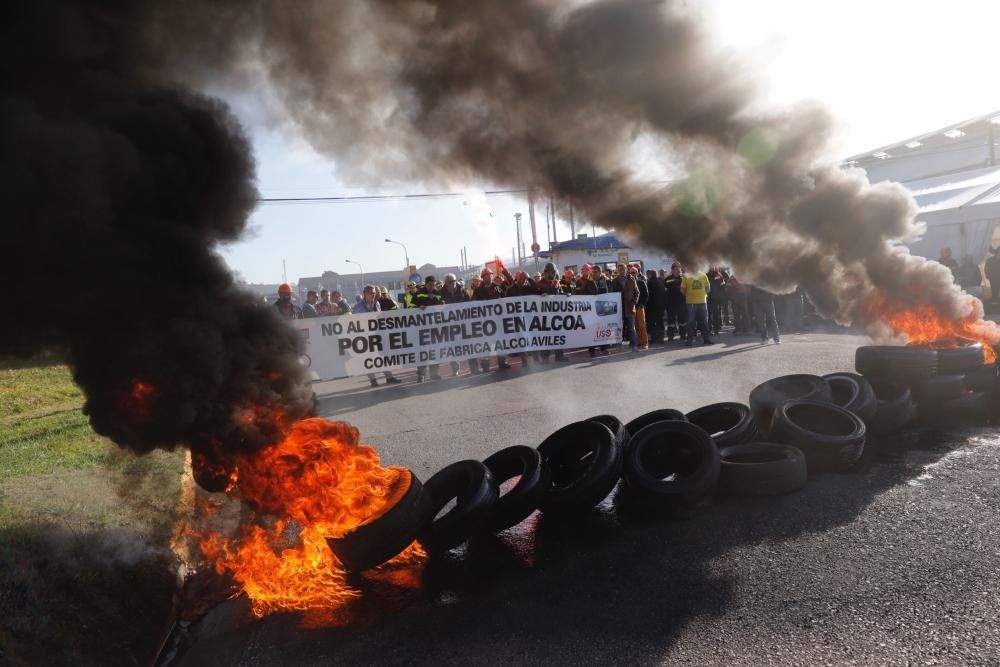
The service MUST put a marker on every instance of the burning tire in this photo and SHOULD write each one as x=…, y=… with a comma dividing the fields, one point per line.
x=971, y=407
x=831, y=438
x=615, y=426
x=983, y=378
x=853, y=392
x=960, y=359
x=938, y=389
x=768, y=396
x=761, y=469
x=673, y=463
x=476, y=494
x=585, y=464
x=896, y=361
x=642, y=421
x=727, y=423
x=525, y=497
x=895, y=407
x=382, y=538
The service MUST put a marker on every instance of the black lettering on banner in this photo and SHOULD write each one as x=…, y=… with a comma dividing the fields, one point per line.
x=515, y=307
x=360, y=344
x=354, y=327
x=399, y=340
x=334, y=329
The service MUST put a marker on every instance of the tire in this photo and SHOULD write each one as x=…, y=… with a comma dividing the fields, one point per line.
x=831, y=437
x=476, y=493
x=971, y=407
x=761, y=469
x=960, y=359
x=585, y=464
x=382, y=538
x=895, y=407
x=853, y=392
x=983, y=378
x=938, y=389
x=903, y=363
x=615, y=426
x=642, y=421
x=524, y=498
x=672, y=463
x=768, y=396
x=727, y=423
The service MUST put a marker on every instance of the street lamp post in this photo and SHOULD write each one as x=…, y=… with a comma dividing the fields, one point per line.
x=360, y=268
x=405, y=253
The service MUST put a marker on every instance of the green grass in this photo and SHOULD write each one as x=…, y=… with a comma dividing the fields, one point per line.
x=27, y=389
x=86, y=575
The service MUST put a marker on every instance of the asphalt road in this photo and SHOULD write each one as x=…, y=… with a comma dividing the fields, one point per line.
x=893, y=564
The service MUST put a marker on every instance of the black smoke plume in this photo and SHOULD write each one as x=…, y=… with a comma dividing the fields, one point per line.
x=118, y=182
x=566, y=97
x=120, y=179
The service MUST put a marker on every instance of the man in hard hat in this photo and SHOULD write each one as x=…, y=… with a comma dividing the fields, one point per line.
x=488, y=289
x=286, y=308
x=551, y=285
x=411, y=290
x=370, y=304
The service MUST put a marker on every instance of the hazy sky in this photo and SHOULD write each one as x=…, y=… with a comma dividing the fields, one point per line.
x=887, y=69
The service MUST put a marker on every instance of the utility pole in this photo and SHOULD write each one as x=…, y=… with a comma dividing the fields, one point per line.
x=284, y=272
x=520, y=249
x=572, y=224
x=555, y=238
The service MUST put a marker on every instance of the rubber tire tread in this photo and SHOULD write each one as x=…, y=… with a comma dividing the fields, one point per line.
x=983, y=378
x=895, y=407
x=768, y=396
x=824, y=452
x=784, y=474
x=905, y=363
x=644, y=420
x=616, y=426
x=592, y=482
x=732, y=422
x=938, y=389
x=960, y=359
x=371, y=544
x=685, y=491
x=477, y=494
x=861, y=398
x=524, y=498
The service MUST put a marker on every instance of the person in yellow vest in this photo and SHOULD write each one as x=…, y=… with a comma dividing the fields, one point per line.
x=696, y=287
x=411, y=291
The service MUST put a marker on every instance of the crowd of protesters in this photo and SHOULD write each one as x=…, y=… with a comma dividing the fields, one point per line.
x=657, y=307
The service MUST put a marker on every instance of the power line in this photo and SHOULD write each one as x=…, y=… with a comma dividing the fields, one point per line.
x=363, y=199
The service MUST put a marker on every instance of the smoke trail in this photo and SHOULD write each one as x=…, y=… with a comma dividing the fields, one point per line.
x=558, y=95
x=118, y=183
x=120, y=179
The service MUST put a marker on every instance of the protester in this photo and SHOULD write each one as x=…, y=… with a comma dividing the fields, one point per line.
x=309, y=307
x=655, y=306
x=640, y=307
x=411, y=289
x=370, y=304
x=341, y=307
x=451, y=292
x=488, y=290
x=550, y=285
x=626, y=285
x=676, y=307
x=738, y=296
x=325, y=307
x=286, y=308
x=595, y=283
x=385, y=301
x=993, y=275
x=422, y=298
x=949, y=261
x=716, y=299
x=969, y=276
x=696, y=287
x=763, y=308
x=473, y=286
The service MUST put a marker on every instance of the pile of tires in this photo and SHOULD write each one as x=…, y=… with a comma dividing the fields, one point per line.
x=795, y=426
x=945, y=384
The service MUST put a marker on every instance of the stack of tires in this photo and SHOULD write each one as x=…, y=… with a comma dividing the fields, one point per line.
x=943, y=384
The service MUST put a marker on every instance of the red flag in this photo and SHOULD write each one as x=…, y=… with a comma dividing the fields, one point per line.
x=499, y=264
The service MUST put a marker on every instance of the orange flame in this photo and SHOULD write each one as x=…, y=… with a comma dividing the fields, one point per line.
x=141, y=391
x=320, y=482
x=923, y=325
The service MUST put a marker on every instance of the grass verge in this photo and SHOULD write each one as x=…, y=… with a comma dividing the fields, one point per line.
x=86, y=573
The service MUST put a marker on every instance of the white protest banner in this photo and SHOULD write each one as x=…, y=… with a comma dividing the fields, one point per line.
x=370, y=342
